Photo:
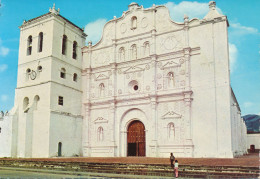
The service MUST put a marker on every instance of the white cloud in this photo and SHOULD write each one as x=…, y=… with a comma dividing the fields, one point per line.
x=94, y=30
x=248, y=104
x=3, y=50
x=4, y=98
x=3, y=67
x=238, y=29
x=192, y=9
x=232, y=56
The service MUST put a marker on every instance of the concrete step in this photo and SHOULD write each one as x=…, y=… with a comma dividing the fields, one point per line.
x=139, y=169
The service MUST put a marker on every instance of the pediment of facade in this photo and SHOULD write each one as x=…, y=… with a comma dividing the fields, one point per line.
x=133, y=69
x=171, y=115
x=101, y=77
x=144, y=24
x=101, y=120
x=170, y=64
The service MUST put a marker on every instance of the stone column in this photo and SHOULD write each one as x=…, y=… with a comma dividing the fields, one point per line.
x=188, y=124
x=123, y=144
x=86, y=132
x=86, y=79
x=113, y=127
x=154, y=119
x=187, y=68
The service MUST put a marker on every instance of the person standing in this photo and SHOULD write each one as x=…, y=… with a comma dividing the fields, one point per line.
x=176, y=166
x=172, y=158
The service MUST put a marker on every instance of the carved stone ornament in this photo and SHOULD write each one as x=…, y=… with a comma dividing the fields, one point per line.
x=159, y=86
x=100, y=120
x=127, y=76
x=133, y=69
x=171, y=115
x=123, y=28
x=169, y=64
x=93, y=95
x=182, y=72
x=102, y=57
x=110, y=92
x=181, y=60
x=144, y=22
x=147, y=88
x=170, y=43
x=119, y=91
x=159, y=76
x=159, y=64
x=147, y=67
x=182, y=83
x=119, y=71
x=101, y=77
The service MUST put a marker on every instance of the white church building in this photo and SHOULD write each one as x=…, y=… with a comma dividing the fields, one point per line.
x=149, y=87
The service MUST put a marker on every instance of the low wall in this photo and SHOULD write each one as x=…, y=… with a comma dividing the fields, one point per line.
x=253, y=139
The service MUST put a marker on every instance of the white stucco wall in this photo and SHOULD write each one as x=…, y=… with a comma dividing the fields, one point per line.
x=195, y=51
x=5, y=136
x=196, y=99
x=42, y=117
x=253, y=139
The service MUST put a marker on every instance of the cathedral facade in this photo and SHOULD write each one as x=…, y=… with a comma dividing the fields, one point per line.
x=149, y=87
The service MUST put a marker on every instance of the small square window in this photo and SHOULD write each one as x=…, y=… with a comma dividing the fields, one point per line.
x=60, y=102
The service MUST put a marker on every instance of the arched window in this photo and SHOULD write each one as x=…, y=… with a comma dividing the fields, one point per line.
x=146, y=49
x=100, y=134
x=40, y=42
x=25, y=104
x=170, y=131
x=36, y=100
x=134, y=51
x=59, y=149
x=134, y=22
x=63, y=73
x=0, y=129
x=74, y=51
x=64, y=44
x=170, y=79
x=28, y=72
x=101, y=90
x=39, y=68
x=29, y=45
x=75, y=77
x=122, y=54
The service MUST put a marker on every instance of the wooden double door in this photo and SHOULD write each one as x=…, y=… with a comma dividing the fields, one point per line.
x=136, y=139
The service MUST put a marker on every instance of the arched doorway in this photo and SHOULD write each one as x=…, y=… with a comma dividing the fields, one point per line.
x=136, y=139
x=59, y=149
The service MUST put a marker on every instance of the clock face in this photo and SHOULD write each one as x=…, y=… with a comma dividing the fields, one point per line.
x=33, y=75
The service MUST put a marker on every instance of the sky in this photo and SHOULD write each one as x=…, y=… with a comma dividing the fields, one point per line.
x=244, y=36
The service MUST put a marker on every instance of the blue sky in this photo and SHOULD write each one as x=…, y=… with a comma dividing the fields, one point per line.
x=244, y=36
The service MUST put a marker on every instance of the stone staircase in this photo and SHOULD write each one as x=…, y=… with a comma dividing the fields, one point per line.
x=161, y=170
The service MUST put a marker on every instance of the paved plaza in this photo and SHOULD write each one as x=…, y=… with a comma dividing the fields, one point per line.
x=250, y=160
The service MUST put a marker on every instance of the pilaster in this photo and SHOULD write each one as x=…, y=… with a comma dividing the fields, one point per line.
x=85, y=132
x=154, y=118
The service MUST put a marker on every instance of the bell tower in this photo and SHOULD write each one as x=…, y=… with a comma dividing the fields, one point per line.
x=48, y=93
